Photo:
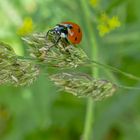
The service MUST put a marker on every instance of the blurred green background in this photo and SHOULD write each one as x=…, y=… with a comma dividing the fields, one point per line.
x=41, y=112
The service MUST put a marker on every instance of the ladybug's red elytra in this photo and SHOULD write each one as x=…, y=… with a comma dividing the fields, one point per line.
x=70, y=31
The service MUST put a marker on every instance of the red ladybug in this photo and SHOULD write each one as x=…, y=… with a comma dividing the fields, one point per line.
x=69, y=31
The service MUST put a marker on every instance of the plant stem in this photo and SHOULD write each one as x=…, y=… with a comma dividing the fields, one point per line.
x=89, y=120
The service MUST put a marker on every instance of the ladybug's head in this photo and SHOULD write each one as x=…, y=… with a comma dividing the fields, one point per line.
x=60, y=30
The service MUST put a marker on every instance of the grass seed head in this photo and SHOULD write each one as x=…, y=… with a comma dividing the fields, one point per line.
x=81, y=85
x=63, y=55
x=15, y=71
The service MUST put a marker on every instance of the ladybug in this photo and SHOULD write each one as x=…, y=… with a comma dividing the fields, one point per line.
x=69, y=31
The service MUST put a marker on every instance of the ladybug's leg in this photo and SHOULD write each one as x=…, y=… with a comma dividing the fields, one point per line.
x=54, y=44
x=67, y=45
x=67, y=41
x=56, y=41
x=48, y=33
x=52, y=30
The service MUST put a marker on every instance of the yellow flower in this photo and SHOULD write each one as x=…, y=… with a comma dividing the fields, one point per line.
x=26, y=28
x=103, y=29
x=94, y=3
x=114, y=22
x=104, y=18
x=107, y=24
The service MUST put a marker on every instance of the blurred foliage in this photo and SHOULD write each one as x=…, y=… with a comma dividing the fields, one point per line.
x=40, y=112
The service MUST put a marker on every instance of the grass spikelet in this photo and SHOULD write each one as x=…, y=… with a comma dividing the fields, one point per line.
x=81, y=85
x=15, y=71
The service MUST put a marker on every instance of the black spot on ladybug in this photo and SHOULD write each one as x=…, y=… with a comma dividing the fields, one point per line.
x=79, y=30
x=70, y=27
x=75, y=38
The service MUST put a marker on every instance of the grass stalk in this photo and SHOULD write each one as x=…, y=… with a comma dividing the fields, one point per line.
x=89, y=118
